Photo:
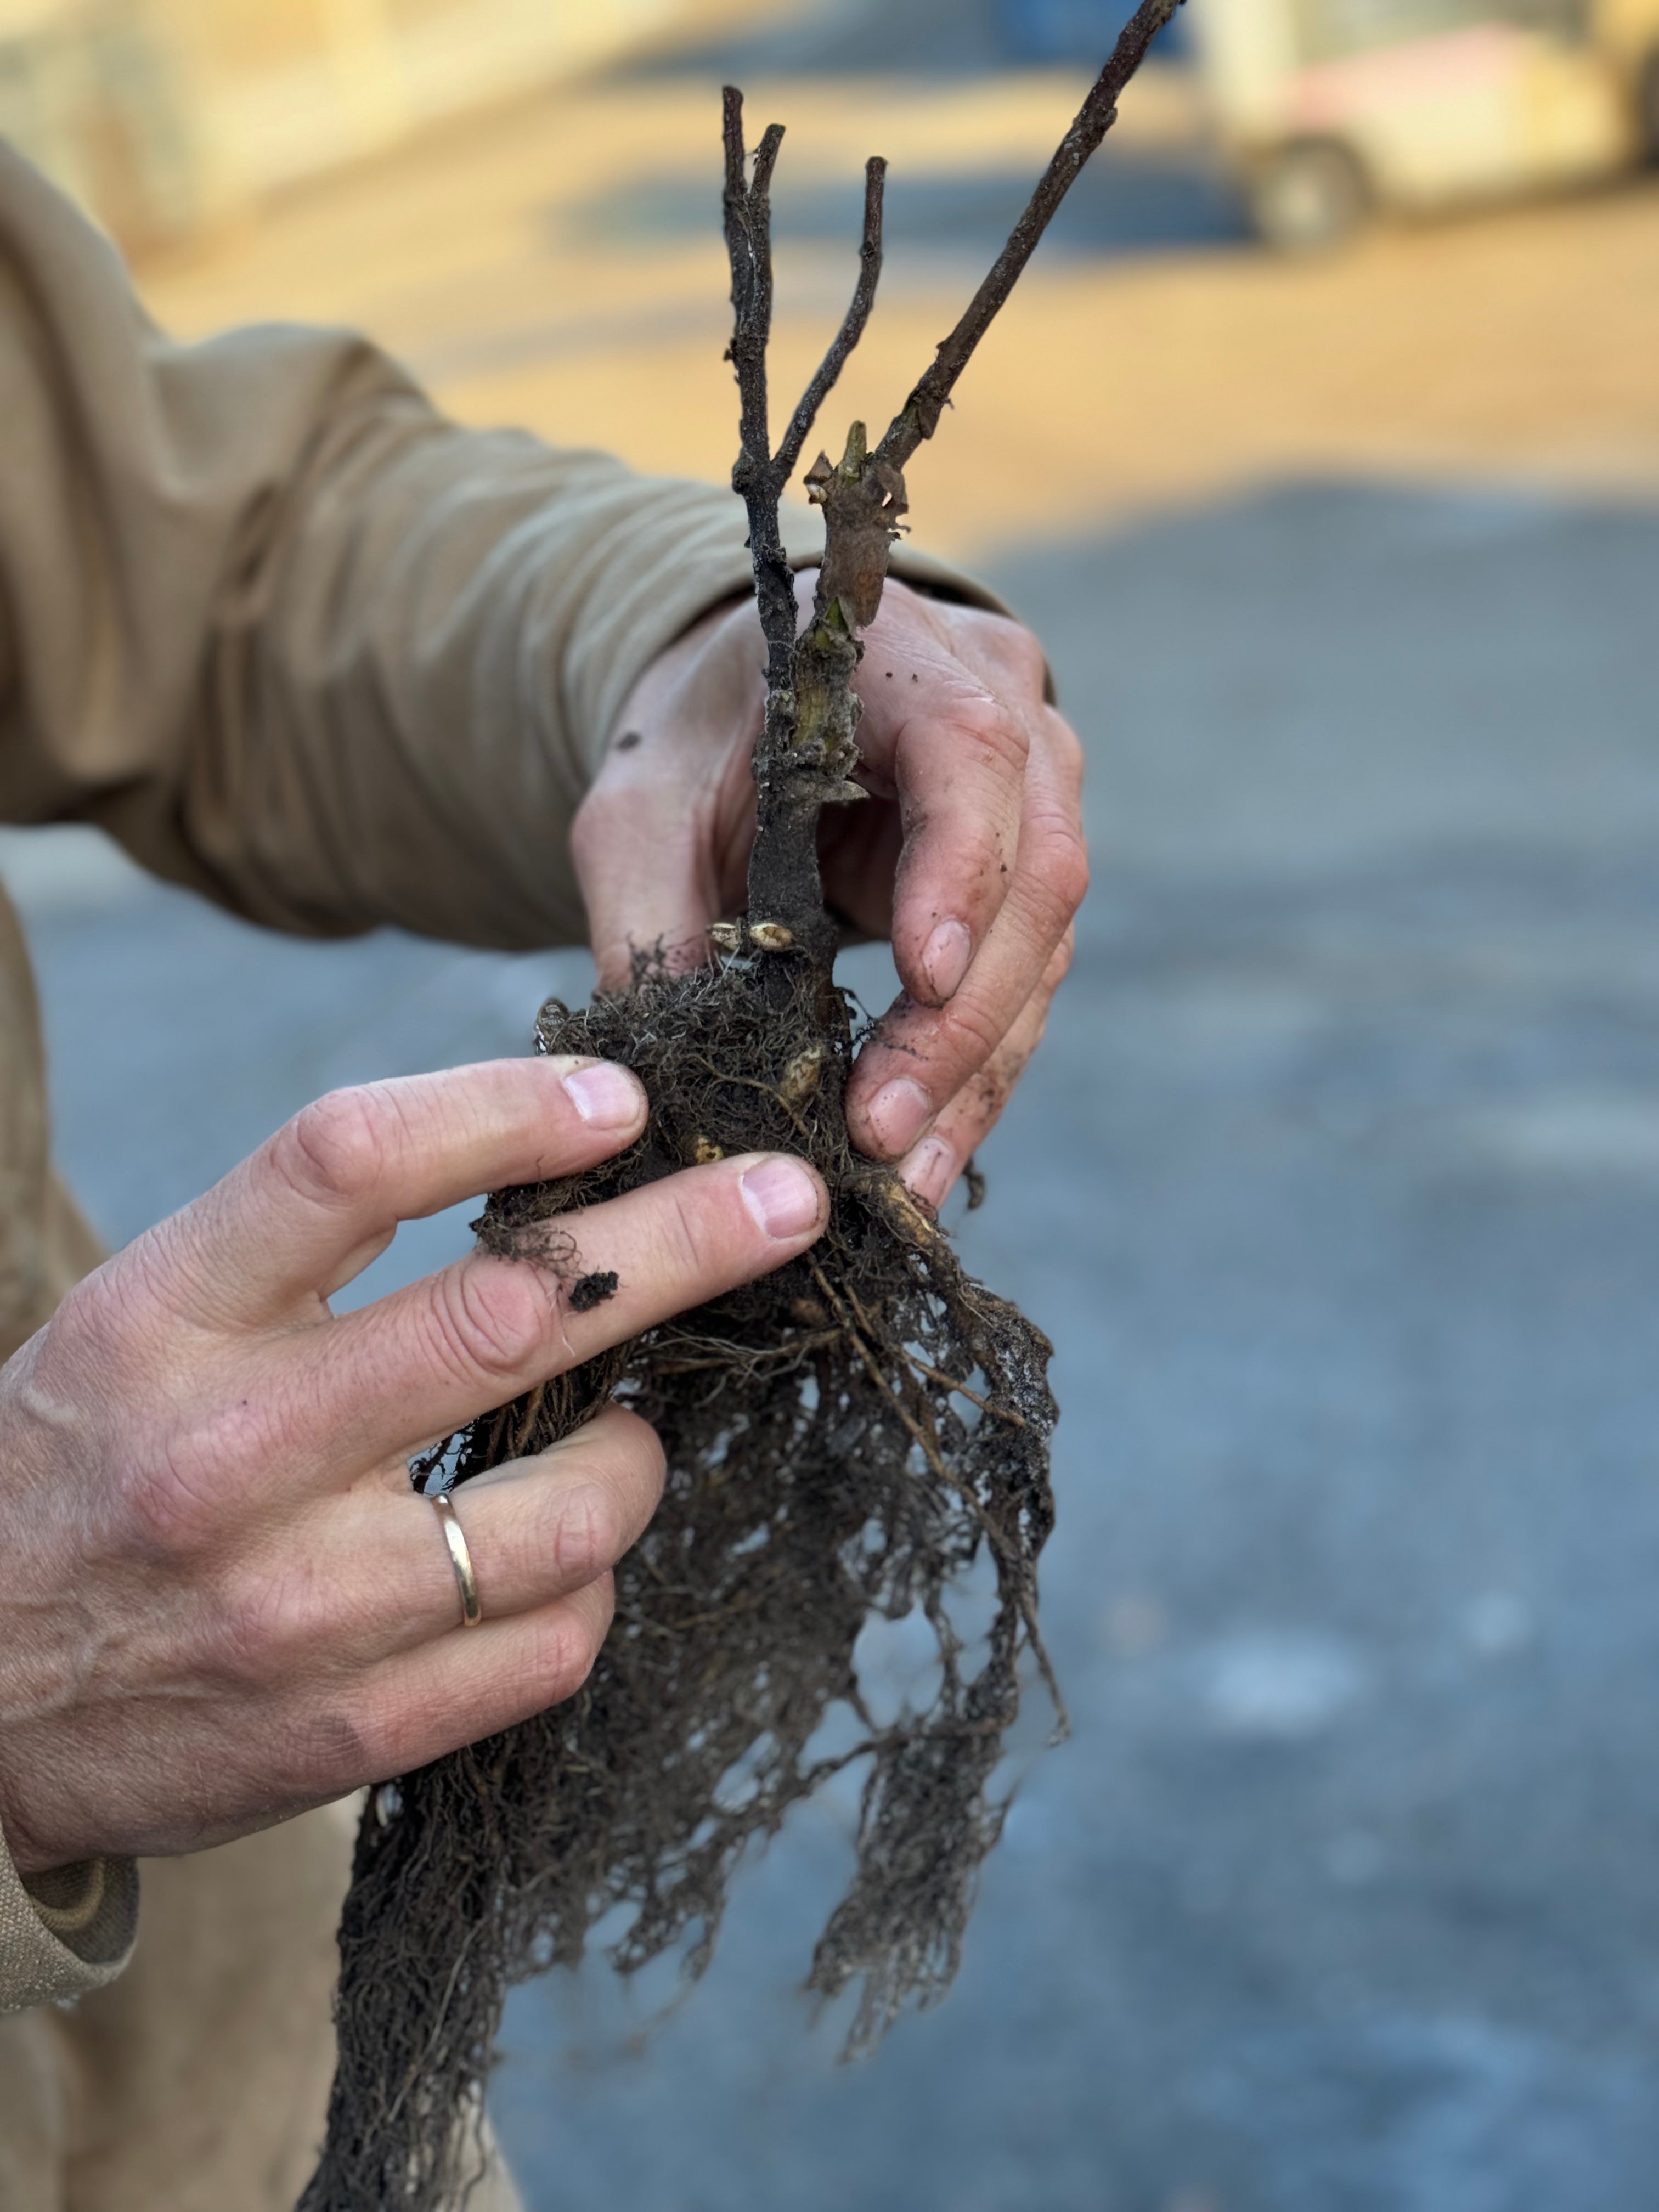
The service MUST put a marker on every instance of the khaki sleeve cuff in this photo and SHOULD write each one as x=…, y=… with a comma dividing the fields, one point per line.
x=65, y=1932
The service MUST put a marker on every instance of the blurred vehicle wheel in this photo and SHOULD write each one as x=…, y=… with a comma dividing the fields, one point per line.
x=1307, y=196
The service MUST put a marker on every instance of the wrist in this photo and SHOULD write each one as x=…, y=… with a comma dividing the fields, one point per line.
x=657, y=681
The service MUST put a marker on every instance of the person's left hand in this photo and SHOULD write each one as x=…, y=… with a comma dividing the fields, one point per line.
x=970, y=854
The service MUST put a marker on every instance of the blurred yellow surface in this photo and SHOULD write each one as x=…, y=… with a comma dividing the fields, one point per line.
x=1517, y=344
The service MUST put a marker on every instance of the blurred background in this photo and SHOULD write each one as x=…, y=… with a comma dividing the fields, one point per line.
x=1321, y=445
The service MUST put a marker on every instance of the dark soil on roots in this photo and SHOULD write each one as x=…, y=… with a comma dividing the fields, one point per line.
x=854, y=1436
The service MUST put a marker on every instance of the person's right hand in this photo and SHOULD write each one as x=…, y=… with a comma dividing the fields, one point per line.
x=223, y=1601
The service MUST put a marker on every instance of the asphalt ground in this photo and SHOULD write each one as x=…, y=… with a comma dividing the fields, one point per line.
x=1337, y=1185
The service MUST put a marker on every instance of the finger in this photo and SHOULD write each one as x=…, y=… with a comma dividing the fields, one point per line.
x=537, y=1531
x=961, y=776
x=920, y=1057
x=951, y=721
x=318, y=1199
x=931, y=1168
x=425, y=1360
x=459, y=1689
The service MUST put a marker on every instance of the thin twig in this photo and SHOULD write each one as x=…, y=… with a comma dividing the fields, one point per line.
x=851, y=329
x=919, y=417
x=808, y=750
x=749, y=247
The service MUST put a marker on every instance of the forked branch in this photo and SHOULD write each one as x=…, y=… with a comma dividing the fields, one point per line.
x=807, y=752
x=802, y=760
x=749, y=246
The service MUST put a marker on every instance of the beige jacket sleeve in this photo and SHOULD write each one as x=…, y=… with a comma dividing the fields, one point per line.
x=292, y=637
x=303, y=646
x=66, y=1932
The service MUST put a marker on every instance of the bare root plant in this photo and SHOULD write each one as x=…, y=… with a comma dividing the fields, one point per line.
x=858, y=1435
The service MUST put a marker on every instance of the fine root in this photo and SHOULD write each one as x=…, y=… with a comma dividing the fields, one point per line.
x=855, y=1435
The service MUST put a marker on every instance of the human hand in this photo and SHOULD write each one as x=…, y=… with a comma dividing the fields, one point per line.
x=970, y=854
x=223, y=1602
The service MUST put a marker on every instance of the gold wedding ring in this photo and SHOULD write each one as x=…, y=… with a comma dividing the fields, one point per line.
x=460, y=1558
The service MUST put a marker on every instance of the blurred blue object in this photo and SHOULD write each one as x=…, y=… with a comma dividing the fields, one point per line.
x=1068, y=30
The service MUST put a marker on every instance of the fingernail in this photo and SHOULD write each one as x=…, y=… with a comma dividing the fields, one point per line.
x=898, y=1113
x=929, y=1169
x=782, y=1196
x=945, y=957
x=605, y=1096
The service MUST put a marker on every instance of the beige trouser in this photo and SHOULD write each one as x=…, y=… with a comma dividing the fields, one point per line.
x=197, y=2081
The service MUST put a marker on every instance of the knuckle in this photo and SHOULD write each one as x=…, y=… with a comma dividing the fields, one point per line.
x=334, y=1150
x=90, y=1323
x=162, y=1518
x=262, y=1617
x=589, y=1536
x=633, y=1455
x=983, y=627
x=123, y=1322
x=1019, y=651
x=653, y=1457
x=1064, y=744
x=683, y=1229
x=122, y=1301
x=969, y=1033
x=487, y=1320
x=81, y=1312
x=982, y=720
x=1063, y=750
x=602, y=1599
x=963, y=874
x=1032, y=1033
x=1060, y=877
x=1005, y=642
x=1073, y=886
x=563, y=1645
x=332, y=1747
x=1030, y=659
x=172, y=1496
x=165, y=1516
